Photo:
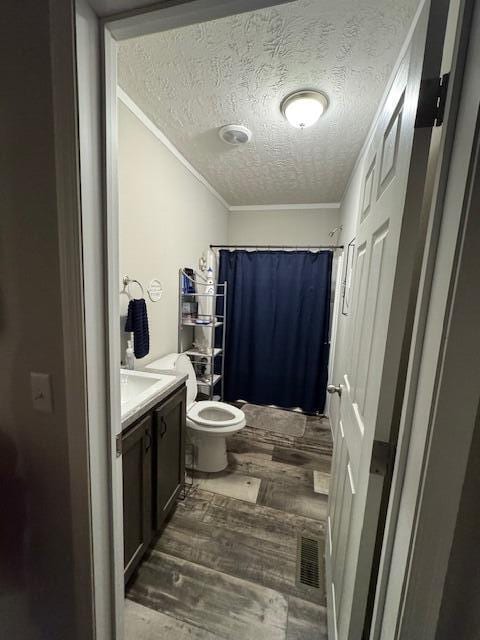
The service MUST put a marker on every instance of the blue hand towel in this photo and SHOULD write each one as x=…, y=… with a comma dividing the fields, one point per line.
x=137, y=322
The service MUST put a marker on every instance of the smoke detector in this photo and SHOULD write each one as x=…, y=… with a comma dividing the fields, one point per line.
x=235, y=134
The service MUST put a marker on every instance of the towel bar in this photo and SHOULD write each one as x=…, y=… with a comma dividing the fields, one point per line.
x=126, y=283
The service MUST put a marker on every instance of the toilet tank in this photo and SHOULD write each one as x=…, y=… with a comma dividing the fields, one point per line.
x=177, y=364
x=165, y=364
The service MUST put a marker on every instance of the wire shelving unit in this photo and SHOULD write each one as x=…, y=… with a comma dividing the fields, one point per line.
x=207, y=361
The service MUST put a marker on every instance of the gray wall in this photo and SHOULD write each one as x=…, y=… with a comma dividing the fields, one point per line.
x=36, y=548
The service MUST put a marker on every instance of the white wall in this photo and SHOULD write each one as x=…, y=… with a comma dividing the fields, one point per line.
x=168, y=218
x=290, y=227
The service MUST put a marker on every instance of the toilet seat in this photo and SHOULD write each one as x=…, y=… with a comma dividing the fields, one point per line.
x=209, y=422
x=215, y=417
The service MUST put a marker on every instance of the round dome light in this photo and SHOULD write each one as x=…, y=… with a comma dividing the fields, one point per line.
x=304, y=108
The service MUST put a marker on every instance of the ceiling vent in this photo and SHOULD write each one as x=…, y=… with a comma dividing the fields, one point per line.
x=235, y=134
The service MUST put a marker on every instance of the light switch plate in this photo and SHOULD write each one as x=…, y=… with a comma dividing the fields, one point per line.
x=41, y=392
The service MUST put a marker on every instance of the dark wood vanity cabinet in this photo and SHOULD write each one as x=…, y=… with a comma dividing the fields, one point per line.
x=169, y=460
x=153, y=457
x=137, y=492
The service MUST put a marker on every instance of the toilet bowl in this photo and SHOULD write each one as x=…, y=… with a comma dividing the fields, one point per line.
x=209, y=422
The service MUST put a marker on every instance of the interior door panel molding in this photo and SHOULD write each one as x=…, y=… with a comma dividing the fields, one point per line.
x=390, y=148
x=368, y=190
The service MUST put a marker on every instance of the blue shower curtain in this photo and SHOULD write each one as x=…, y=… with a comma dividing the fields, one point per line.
x=277, y=332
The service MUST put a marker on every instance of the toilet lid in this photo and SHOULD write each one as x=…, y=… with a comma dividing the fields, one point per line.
x=215, y=414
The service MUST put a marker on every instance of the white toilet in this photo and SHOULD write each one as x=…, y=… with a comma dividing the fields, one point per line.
x=208, y=422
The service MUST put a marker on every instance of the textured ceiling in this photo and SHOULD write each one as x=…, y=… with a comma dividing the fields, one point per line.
x=193, y=80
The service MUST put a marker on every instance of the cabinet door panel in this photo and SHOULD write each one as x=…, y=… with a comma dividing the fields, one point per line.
x=137, y=492
x=169, y=458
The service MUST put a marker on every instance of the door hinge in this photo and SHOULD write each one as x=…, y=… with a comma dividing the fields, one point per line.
x=118, y=445
x=431, y=102
x=382, y=456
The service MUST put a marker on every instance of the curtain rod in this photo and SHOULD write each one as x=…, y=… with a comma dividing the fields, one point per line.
x=273, y=246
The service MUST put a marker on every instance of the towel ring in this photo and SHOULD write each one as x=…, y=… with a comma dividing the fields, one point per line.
x=128, y=281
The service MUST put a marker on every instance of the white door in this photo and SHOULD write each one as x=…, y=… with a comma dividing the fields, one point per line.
x=383, y=257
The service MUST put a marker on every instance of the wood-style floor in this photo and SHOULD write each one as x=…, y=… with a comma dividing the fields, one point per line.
x=224, y=567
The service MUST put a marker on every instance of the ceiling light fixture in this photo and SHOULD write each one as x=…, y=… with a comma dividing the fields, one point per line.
x=304, y=108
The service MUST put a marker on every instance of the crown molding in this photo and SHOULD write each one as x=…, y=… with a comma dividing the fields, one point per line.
x=152, y=127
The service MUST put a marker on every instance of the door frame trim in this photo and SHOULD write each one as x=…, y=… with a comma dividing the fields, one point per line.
x=70, y=237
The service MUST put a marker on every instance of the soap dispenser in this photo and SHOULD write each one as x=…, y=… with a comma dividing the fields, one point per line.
x=129, y=356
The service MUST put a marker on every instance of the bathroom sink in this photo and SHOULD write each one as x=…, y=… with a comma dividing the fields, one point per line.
x=140, y=390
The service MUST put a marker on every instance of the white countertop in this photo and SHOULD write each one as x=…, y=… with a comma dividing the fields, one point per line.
x=142, y=390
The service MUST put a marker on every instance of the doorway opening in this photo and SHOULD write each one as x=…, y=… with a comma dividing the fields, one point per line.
x=161, y=228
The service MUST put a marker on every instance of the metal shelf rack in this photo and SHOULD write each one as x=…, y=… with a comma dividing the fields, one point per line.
x=212, y=323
